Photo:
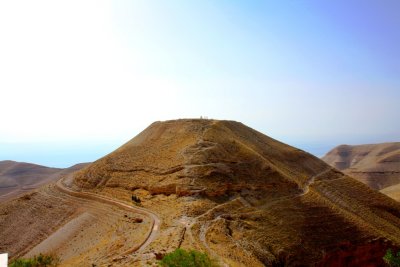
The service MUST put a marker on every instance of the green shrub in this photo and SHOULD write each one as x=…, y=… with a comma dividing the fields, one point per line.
x=392, y=259
x=37, y=261
x=183, y=258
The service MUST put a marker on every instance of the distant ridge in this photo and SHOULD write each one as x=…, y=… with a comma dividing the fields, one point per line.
x=377, y=165
x=19, y=177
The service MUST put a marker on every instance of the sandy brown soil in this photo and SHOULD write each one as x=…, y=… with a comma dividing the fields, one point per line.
x=376, y=165
x=81, y=232
x=217, y=186
x=245, y=198
x=392, y=191
x=27, y=220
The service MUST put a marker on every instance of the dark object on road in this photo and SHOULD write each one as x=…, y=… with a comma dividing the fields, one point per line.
x=138, y=220
x=136, y=199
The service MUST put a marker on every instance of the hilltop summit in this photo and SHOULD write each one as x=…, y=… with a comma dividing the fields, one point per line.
x=207, y=157
x=245, y=198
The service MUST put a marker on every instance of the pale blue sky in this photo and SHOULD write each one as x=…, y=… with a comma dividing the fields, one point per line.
x=80, y=78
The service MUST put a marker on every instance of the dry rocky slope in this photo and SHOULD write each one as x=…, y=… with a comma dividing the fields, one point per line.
x=82, y=232
x=245, y=198
x=17, y=178
x=376, y=165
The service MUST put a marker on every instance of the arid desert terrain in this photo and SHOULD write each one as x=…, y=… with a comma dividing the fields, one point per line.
x=214, y=186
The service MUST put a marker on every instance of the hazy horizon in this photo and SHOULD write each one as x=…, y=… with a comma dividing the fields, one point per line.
x=80, y=78
x=60, y=155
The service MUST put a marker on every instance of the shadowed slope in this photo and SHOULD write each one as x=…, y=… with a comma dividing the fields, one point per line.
x=376, y=165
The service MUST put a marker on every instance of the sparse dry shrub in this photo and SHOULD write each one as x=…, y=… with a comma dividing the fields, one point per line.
x=183, y=258
x=42, y=260
x=392, y=259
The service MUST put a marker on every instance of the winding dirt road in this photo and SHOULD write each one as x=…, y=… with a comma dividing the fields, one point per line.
x=155, y=220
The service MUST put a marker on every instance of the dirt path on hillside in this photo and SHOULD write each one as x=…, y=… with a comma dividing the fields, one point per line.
x=204, y=227
x=94, y=230
x=155, y=220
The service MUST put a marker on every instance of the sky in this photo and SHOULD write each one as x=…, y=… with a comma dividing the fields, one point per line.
x=80, y=78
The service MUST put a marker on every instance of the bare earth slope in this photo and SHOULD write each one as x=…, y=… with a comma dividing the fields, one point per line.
x=392, y=191
x=80, y=231
x=17, y=178
x=376, y=165
x=245, y=198
x=83, y=230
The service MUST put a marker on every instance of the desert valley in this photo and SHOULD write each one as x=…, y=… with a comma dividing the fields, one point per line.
x=215, y=186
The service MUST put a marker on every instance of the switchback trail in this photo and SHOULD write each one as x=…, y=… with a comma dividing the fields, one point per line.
x=205, y=226
x=155, y=220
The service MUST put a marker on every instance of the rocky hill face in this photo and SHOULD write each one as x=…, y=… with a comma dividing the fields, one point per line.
x=376, y=165
x=245, y=198
x=202, y=157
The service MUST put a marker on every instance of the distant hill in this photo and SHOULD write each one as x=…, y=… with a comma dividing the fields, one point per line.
x=245, y=198
x=377, y=165
x=20, y=177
